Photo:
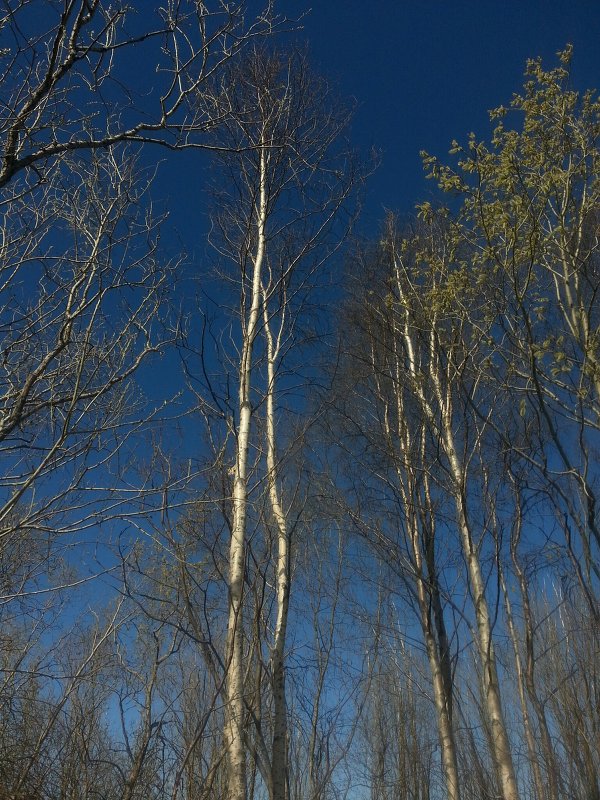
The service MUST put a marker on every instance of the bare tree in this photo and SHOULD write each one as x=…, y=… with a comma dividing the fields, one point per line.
x=83, y=285
x=423, y=358
x=68, y=84
x=398, y=447
x=277, y=223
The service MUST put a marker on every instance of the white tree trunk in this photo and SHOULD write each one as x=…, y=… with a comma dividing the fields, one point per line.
x=500, y=742
x=440, y=417
x=279, y=748
x=407, y=447
x=441, y=700
x=529, y=737
x=234, y=712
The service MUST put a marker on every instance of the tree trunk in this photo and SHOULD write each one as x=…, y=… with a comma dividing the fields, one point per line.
x=440, y=418
x=529, y=737
x=443, y=702
x=491, y=688
x=279, y=747
x=234, y=722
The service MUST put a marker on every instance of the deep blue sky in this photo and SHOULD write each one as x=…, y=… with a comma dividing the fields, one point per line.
x=422, y=73
x=425, y=72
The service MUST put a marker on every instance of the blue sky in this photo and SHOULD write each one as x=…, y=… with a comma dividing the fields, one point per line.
x=421, y=73
x=425, y=72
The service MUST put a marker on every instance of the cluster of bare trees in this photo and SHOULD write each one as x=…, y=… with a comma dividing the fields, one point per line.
x=475, y=419
x=337, y=565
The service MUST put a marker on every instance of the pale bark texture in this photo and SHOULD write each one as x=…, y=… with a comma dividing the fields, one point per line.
x=527, y=674
x=425, y=367
x=235, y=712
x=279, y=747
x=491, y=687
x=527, y=726
x=413, y=483
x=275, y=220
x=439, y=677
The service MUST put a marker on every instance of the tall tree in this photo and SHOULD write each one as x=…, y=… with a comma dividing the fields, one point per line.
x=83, y=282
x=281, y=209
x=529, y=210
x=423, y=348
x=395, y=450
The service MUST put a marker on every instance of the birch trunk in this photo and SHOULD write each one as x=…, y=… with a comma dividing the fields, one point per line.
x=529, y=737
x=287, y=185
x=408, y=453
x=552, y=772
x=441, y=699
x=499, y=736
x=437, y=408
x=279, y=746
x=426, y=581
x=234, y=722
